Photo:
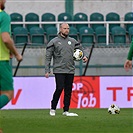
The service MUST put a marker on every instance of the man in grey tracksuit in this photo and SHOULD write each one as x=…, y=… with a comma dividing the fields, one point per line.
x=61, y=49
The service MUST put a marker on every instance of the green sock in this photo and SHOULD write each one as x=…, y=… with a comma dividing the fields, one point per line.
x=3, y=100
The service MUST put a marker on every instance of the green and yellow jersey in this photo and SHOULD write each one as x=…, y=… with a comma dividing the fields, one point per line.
x=4, y=27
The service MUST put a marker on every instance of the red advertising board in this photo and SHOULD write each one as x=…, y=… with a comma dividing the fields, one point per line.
x=85, y=93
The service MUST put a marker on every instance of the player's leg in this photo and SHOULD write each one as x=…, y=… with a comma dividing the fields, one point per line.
x=67, y=91
x=6, y=83
x=1, y=131
x=5, y=97
x=59, y=78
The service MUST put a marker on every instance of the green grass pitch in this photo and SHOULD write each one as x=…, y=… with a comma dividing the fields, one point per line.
x=88, y=121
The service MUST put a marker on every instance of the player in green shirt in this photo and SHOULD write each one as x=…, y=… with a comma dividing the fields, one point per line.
x=6, y=49
x=128, y=62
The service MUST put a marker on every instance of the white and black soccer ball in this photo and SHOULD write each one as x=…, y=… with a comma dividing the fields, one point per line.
x=113, y=109
x=77, y=55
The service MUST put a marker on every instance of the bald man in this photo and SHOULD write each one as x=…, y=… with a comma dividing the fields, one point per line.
x=61, y=48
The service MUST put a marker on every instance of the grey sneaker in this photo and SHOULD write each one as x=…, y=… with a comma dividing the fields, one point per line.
x=66, y=113
x=52, y=112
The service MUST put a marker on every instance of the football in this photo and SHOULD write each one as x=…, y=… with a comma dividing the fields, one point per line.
x=77, y=55
x=113, y=109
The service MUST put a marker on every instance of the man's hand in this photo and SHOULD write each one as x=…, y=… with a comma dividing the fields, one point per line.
x=128, y=65
x=85, y=59
x=19, y=57
x=47, y=75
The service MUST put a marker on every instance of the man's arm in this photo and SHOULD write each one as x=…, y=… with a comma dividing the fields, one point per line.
x=10, y=45
x=128, y=62
x=130, y=53
x=48, y=57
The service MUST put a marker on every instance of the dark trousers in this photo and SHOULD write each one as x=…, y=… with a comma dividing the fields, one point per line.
x=63, y=81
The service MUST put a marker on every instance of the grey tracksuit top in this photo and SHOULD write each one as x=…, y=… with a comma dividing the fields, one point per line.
x=61, y=49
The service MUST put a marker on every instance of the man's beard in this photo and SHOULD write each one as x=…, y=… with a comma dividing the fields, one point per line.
x=65, y=35
x=2, y=7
